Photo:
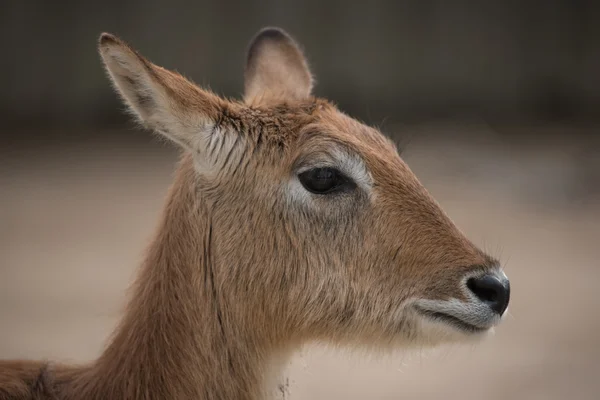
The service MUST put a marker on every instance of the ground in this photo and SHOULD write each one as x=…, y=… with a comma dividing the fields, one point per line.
x=74, y=220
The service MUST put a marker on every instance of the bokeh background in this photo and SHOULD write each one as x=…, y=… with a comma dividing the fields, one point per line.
x=497, y=106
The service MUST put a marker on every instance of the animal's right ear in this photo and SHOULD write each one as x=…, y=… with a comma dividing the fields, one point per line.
x=162, y=100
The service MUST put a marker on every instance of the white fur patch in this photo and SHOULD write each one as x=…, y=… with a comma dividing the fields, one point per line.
x=347, y=163
x=218, y=150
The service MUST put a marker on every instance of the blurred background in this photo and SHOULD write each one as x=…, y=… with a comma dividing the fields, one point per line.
x=497, y=107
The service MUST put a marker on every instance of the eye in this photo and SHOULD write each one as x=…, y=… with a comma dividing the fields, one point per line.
x=324, y=180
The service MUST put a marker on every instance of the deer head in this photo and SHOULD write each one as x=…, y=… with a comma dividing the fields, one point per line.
x=318, y=230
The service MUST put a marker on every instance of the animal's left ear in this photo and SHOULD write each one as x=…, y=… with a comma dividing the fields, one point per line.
x=276, y=70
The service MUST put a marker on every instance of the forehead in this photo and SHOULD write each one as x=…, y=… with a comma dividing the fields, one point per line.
x=317, y=120
x=331, y=130
x=339, y=127
x=318, y=127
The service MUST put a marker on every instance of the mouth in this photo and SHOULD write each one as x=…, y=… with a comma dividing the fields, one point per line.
x=451, y=320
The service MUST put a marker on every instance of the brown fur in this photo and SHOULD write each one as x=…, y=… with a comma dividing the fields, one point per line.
x=240, y=271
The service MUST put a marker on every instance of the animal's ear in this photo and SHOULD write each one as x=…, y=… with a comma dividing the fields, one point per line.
x=162, y=100
x=276, y=69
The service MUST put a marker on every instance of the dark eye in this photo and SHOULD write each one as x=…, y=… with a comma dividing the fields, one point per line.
x=324, y=180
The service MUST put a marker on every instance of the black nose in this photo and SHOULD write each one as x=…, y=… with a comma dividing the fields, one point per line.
x=492, y=291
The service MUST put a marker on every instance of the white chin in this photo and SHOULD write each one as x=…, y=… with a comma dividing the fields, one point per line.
x=434, y=332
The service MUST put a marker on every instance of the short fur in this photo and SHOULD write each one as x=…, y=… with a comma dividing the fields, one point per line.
x=245, y=265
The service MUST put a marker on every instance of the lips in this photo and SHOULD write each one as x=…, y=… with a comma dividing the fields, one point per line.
x=451, y=320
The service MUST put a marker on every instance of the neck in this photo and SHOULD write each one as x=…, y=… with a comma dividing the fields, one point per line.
x=177, y=340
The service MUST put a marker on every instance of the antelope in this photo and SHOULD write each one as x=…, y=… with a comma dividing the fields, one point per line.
x=288, y=222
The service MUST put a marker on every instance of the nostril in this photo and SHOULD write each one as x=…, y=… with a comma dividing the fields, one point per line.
x=491, y=291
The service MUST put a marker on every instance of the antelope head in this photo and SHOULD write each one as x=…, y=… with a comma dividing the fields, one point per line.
x=318, y=228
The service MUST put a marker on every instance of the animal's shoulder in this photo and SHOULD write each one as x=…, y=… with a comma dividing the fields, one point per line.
x=26, y=380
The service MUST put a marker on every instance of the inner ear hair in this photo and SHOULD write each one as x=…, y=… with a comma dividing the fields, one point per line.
x=162, y=100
